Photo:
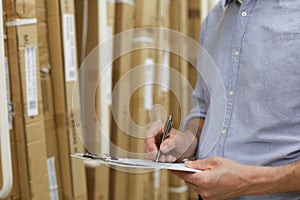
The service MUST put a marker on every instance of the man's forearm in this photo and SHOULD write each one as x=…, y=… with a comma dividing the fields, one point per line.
x=269, y=180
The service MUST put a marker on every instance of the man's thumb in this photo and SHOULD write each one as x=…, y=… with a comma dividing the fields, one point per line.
x=198, y=164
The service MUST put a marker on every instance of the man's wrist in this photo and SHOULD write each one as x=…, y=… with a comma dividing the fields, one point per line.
x=263, y=180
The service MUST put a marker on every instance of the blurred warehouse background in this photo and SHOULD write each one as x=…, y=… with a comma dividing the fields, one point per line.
x=45, y=43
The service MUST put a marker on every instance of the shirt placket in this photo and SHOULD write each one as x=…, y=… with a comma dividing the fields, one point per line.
x=239, y=34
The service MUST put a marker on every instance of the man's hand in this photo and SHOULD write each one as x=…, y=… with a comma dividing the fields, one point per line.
x=177, y=146
x=226, y=179
x=221, y=178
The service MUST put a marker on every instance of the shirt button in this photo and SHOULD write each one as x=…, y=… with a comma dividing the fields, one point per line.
x=223, y=131
x=231, y=93
x=236, y=53
x=244, y=14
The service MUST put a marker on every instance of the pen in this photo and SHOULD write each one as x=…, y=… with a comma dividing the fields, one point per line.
x=165, y=135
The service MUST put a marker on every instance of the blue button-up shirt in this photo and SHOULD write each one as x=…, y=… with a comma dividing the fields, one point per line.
x=256, y=48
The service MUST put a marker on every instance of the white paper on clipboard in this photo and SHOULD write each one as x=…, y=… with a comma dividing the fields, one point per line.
x=140, y=164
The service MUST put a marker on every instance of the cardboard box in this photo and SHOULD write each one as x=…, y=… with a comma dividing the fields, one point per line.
x=27, y=52
x=27, y=150
x=86, y=45
x=20, y=9
x=27, y=99
x=37, y=163
x=62, y=43
x=53, y=159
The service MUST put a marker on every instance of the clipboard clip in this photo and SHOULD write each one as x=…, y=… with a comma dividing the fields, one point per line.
x=105, y=157
x=111, y=160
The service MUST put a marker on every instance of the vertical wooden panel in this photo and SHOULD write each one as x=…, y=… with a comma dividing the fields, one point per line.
x=178, y=19
x=124, y=20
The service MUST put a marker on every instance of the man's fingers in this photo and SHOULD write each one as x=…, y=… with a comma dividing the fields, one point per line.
x=198, y=164
x=150, y=140
x=149, y=145
x=204, y=164
x=151, y=155
x=168, y=145
x=156, y=127
x=171, y=158
x=163, y=158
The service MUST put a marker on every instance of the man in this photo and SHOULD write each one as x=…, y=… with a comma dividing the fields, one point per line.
x=256, y=47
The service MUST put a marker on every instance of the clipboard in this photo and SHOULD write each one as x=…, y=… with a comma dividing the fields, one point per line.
x=137, y=164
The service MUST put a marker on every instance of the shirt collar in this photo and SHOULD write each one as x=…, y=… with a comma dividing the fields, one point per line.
x=228, y=1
